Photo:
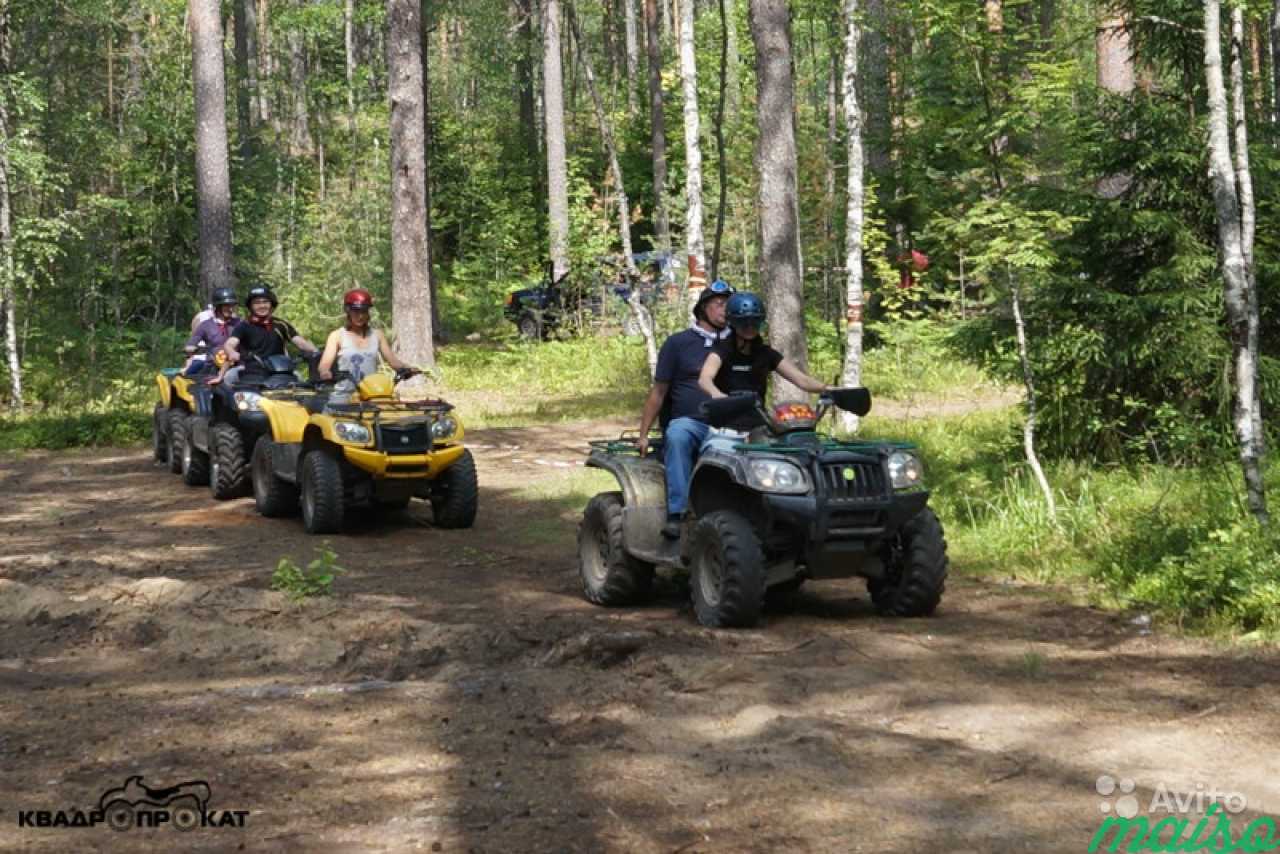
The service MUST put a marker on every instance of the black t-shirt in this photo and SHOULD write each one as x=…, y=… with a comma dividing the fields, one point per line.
x=745, y=372
x=679, y=364
x=262, y=342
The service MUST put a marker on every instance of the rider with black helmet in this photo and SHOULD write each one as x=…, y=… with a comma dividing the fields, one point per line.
x=675, y=398
x=743, y=361
x=262, y=334
x=211, y=333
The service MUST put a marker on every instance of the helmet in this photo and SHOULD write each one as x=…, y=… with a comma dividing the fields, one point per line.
x=718, y=288
x=744, y=308
x=223, y=296
x=358, y=298
x=258, y=292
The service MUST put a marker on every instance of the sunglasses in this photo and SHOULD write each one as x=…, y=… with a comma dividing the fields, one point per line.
x=719, y=287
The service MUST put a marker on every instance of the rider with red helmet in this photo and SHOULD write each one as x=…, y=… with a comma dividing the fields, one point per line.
x=356, y=346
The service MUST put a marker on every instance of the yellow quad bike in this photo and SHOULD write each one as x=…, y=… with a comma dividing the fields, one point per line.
x=171, y=416
x=376, y=449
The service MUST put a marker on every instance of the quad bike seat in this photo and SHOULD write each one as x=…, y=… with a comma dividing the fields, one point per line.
x=315, y=403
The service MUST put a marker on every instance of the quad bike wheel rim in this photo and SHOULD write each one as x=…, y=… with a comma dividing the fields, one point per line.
x=710, y=574
x=596, y=556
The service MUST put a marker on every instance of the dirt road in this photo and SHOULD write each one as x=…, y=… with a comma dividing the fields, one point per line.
x=457, y=694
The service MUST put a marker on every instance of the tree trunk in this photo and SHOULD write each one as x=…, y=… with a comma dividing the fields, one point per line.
x=8, y=269
x=695, y=249
x=213, y=175
x=1048, y=17
x=995, y=15
x=733, y=98
x=1115, y=53
x=266, y=70
x=1232, y=242
x=851, y=373
x=349, y=44
x=638, y=310
x=529, y=123
x=658, y=127
x=557, y=170
x=721, y=166
x=438, y=335
x=300, y=130
x=1259, y=74
x=633, y=53
x=246, y=74
x=776, y=164
x=873, y=79
x=1275, y=63
x=410, y=251
x=1029, y=426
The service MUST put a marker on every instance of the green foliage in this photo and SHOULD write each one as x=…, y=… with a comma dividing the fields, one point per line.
x=74, y=430
x=315, y=579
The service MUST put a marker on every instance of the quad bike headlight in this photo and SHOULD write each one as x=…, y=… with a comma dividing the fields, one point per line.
x=769, y=475
x=905, y=470
x=444, y=428
x=248, y=401
x=349, y=431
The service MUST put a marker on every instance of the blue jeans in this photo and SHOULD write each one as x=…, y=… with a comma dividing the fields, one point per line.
x=681, y=442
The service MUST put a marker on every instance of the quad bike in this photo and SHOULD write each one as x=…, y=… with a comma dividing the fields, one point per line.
x=225, y=423
x=784, y=505
x=376, y=449
x=170, y=419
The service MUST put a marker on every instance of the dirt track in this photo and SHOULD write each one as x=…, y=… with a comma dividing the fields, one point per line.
x=457, y=693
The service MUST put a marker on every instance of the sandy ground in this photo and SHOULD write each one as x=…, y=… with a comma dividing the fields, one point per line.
x=456, y=693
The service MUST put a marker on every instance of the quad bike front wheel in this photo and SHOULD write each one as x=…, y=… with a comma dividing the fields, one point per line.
x=271, y=495
x=915, y=566
x=610, y=576
x=228, y=462
x=195, y=462
x=176, y=422
x=530, y=327
x=322, y=494
x=457, y=496
x=160, y=433
x=728, y=572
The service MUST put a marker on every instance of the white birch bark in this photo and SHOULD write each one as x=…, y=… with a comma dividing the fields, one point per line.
x=633, y=53
x=695, y=248
x=553, y=109
x=8, y=270
x=851, y=373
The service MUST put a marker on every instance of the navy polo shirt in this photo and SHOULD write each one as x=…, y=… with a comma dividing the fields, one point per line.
x=679, y=364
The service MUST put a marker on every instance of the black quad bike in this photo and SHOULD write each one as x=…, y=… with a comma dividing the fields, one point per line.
x=226, y=422
x=786, y=504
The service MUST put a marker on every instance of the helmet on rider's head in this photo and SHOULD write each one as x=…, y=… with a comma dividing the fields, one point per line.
x=357, y=298
x=718, y=288
x=260, y=292
x=223, y=296
x=744, y=309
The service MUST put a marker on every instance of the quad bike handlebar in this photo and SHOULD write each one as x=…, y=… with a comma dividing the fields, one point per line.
x=720, y=412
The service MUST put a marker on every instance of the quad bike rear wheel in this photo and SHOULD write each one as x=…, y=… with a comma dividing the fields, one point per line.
x=322, y=494
x=228, y=468
x=530, y=327
x=610, y=576
x=457, y=495
x=915, y=564
x=728, y=572
x=176, y=421
x=271, y=495
x=160, y=434
x=195, y=462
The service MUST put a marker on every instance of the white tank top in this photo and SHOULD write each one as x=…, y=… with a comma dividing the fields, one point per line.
x=358, y=356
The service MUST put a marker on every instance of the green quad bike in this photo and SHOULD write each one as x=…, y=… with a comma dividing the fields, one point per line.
x=786, y=505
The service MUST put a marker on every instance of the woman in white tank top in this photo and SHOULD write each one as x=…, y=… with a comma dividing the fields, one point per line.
x=355, y=347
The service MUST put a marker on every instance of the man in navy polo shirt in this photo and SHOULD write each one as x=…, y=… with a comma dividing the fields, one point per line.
x=676, y=397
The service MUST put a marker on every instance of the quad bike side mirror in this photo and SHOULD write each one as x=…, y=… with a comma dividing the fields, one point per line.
x=725, y=410
x=855, y=400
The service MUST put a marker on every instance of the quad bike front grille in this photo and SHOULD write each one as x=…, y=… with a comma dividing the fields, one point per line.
x=397, y=439
x=854, y=481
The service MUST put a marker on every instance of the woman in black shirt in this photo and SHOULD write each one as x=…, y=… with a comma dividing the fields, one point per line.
x=743, y=361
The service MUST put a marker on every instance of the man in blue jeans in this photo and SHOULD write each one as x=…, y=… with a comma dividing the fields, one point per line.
x=676, y=398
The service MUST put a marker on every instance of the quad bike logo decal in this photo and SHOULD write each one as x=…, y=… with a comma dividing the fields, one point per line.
x=849, y=474
x=184, y=806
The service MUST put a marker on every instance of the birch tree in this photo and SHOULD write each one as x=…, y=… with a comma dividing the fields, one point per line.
x=695, y=249
x=557, y=169
x=633, y=52
x=1233, y=245
x=213, y=173
x=8, y=290
x=410, y=250
x=643, y=319
x=776, y=165
x=851, y=374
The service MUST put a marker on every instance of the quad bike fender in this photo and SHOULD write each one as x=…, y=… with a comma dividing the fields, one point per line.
x=182, y=389
x=402, y=466
x=166, y=390
x=644, y=492
x=287, y=420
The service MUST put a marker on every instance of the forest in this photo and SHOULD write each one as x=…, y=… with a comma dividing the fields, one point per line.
x=1054, y=156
